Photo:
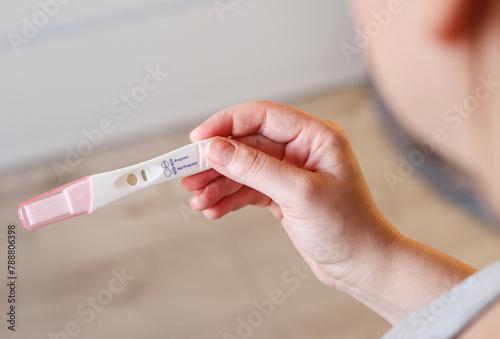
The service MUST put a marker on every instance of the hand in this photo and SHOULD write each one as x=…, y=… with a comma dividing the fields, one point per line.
x=305, y=171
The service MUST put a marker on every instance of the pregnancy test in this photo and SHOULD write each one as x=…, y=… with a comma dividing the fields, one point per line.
x=90, y=193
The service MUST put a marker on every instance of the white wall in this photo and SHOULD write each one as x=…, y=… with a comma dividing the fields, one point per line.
x=70, y=73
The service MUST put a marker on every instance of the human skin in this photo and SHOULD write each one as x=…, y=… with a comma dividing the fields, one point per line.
x=304, y=170
x=427, y=63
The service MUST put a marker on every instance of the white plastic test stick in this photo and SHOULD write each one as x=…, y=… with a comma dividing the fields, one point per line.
x=87, y=194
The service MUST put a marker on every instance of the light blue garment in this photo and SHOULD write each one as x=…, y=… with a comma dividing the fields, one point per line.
x=449, y=315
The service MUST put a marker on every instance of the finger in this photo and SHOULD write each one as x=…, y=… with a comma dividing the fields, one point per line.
x=213, y=192
x=243, y=197
x=198, y=181
x=275, y=210
x=258, y=141
x=310, y=143
x=276, y=121
x=258, y=170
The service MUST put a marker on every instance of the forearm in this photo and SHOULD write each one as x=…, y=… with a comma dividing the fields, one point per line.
x=402, y=277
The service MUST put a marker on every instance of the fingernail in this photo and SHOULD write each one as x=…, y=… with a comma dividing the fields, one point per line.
x=220, y=151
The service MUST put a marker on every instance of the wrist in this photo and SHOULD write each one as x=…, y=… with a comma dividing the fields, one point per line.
x=371, y=256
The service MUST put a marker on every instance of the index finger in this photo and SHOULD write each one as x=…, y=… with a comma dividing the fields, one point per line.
x=276, y=121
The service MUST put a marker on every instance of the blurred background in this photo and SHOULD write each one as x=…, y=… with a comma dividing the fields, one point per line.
x=90, y=86
x=76, y=68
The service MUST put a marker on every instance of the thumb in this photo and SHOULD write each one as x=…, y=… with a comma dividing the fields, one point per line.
x=253, y=168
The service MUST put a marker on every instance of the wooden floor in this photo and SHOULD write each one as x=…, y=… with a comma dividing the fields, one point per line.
x=149, y=267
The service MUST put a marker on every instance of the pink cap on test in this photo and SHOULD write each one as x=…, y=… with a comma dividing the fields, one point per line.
x=59, y=204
